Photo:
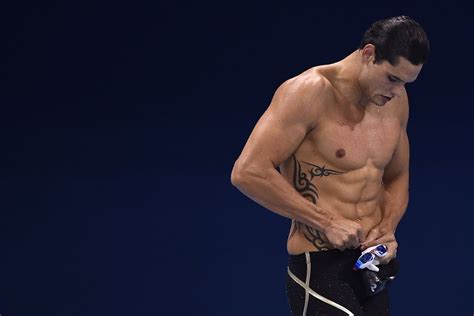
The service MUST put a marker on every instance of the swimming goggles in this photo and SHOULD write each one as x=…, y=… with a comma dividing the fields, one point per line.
x=368, y=258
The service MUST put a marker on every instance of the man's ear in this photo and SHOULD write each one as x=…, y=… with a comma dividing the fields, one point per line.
x=368, y=53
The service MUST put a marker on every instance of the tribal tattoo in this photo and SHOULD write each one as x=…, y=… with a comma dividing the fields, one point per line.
x=302, y=183
x=318, y=171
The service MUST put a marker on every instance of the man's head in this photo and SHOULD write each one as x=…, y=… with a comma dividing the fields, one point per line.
x=396, y=37
x=393, y=52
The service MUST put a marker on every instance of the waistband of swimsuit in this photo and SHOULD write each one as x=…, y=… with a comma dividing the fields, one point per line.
x=325, y=255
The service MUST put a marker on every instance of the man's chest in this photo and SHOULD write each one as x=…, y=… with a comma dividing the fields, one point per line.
x=351, y=147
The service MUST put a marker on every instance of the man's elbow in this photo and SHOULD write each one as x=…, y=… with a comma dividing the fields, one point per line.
x=245, y=174
x=237, y=177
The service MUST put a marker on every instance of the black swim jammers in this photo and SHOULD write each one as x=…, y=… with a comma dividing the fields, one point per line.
x=325, y=283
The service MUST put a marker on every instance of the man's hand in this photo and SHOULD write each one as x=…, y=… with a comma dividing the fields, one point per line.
x=382, y=235
x=344, y=234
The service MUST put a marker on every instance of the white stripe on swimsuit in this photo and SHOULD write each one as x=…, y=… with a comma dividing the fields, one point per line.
x=308, y=290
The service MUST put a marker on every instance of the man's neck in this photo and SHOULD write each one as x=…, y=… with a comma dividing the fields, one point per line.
x=348, y=81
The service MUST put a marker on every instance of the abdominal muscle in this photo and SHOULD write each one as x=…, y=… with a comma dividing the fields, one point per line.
x=303, y=238
x=353, y=191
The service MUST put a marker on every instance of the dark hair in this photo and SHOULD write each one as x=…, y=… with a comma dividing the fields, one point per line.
x=400, y=36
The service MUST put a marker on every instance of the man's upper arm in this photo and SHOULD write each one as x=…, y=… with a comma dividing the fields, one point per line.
x=284, y=125
x=399, y=165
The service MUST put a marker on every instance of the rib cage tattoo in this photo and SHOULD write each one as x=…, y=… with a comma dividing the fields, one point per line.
x=302, y=183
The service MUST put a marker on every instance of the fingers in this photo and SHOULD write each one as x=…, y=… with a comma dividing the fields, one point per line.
x=349, y=244
x=339, y=244
x=353, y=236
x=346, y=242
x=353, y=239
x=360, y=234
x=371, y=240
x=392, y=253
x=336, y=241
x=386, y=259
x=340, y=247
x=346, y=235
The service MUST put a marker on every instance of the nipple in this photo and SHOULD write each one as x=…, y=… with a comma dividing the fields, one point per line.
x=340, y=153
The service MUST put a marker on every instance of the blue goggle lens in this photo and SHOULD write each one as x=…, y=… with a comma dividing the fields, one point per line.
x=381, y=249
x=366, y=258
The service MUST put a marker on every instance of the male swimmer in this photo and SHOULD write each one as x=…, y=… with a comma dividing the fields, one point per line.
x=337, y=133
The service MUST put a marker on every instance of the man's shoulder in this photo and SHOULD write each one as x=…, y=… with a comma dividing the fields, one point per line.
x=310, y=84
x=400, y=107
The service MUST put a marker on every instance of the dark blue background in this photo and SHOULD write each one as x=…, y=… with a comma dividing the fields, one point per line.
x=121, y=122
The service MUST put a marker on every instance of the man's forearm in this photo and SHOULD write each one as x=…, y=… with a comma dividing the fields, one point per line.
x=394, y=205
x=269, y=189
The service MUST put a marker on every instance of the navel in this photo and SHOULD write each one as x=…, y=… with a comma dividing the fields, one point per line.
x=340, y=153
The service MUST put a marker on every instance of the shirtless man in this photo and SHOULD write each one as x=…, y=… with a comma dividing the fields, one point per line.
x=337, y=133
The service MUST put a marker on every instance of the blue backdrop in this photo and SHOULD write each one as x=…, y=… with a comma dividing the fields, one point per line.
x=121, y=122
